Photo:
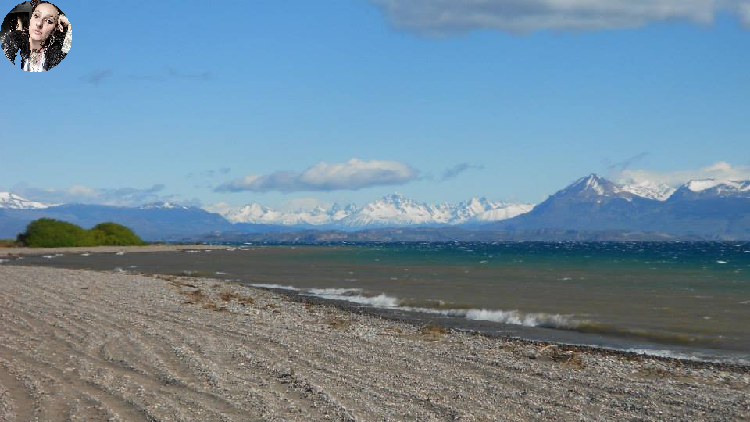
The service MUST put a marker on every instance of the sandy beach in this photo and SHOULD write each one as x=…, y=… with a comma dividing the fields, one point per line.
x=93, y=346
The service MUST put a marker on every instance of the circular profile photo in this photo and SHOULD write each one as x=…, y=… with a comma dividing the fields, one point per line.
x=37, y=34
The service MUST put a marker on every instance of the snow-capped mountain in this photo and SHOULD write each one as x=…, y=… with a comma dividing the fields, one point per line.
x=391, y=210
x=162, y=206
x=590, y=186
x=12, y=201
x=593, y=186
x=396, y=210
x=258, y=214
x=712, y=189
x=649, y=190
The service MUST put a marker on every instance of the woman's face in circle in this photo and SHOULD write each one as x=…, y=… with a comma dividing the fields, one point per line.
x=43, y=22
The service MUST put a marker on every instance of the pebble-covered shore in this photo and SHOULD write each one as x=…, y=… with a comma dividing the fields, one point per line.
x=93, y=346
x=16, y=252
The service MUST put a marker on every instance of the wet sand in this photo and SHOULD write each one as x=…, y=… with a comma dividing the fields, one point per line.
x=85, y=345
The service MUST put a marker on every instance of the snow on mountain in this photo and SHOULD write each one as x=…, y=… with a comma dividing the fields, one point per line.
x=649, y=190
x=391, y=210
x=162, y=206
x=504, y=212
x=258, y=214
x=720, y=186
x=12, y=201
x=712, y=188
x=338, y=212
x=594, y=186
x=252, y=213
x=591, y=186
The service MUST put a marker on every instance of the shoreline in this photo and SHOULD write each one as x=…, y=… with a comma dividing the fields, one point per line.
x=167, y=263
x=24, y=251
x=421, y=320
x=165, y=347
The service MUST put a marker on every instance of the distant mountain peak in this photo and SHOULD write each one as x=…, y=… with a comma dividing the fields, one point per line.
x=713, y=188
x=10, y=200
x=163, y=205
x=649, y=190
x=592, y=185
x=730, y=185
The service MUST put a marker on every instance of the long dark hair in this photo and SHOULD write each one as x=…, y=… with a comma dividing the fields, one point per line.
x=54, y=43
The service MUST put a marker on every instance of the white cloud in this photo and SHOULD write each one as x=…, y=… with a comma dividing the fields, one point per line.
x=81, y=194
x=720, y=171
x=80, y=190
x=352, y=175
x=219, y=207
x=440, y=17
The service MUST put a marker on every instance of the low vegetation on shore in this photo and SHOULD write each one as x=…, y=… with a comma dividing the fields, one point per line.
x=8, y=243
x=50, y=233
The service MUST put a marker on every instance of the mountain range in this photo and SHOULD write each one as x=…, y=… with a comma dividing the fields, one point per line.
x=391, y=210
x=590, y=206
x=706, y=208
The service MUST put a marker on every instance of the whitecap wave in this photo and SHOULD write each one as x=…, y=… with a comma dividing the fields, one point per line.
x=336, y=291
x=355, y=296
x=518, y=318
x=275, y=286
x=514, y=317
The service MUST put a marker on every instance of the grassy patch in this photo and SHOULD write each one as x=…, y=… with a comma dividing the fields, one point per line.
x=8, y=243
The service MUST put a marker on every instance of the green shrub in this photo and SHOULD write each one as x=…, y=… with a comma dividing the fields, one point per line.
x=50, y=233
x=115, y=234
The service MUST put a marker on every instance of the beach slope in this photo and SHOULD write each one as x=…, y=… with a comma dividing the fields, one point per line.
x=83, y=345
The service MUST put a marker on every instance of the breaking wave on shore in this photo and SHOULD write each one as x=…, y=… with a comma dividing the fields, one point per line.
x=359, y=296
x=436, y=307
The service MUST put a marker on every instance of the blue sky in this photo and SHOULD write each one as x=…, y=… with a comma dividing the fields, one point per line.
x=183, y=100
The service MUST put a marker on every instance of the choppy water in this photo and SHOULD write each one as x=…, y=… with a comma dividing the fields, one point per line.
x=668, y=298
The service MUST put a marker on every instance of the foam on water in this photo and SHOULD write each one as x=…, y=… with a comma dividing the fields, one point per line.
x=519, y=318
x=356, y=296
x=275, y=286
x=514, y=317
